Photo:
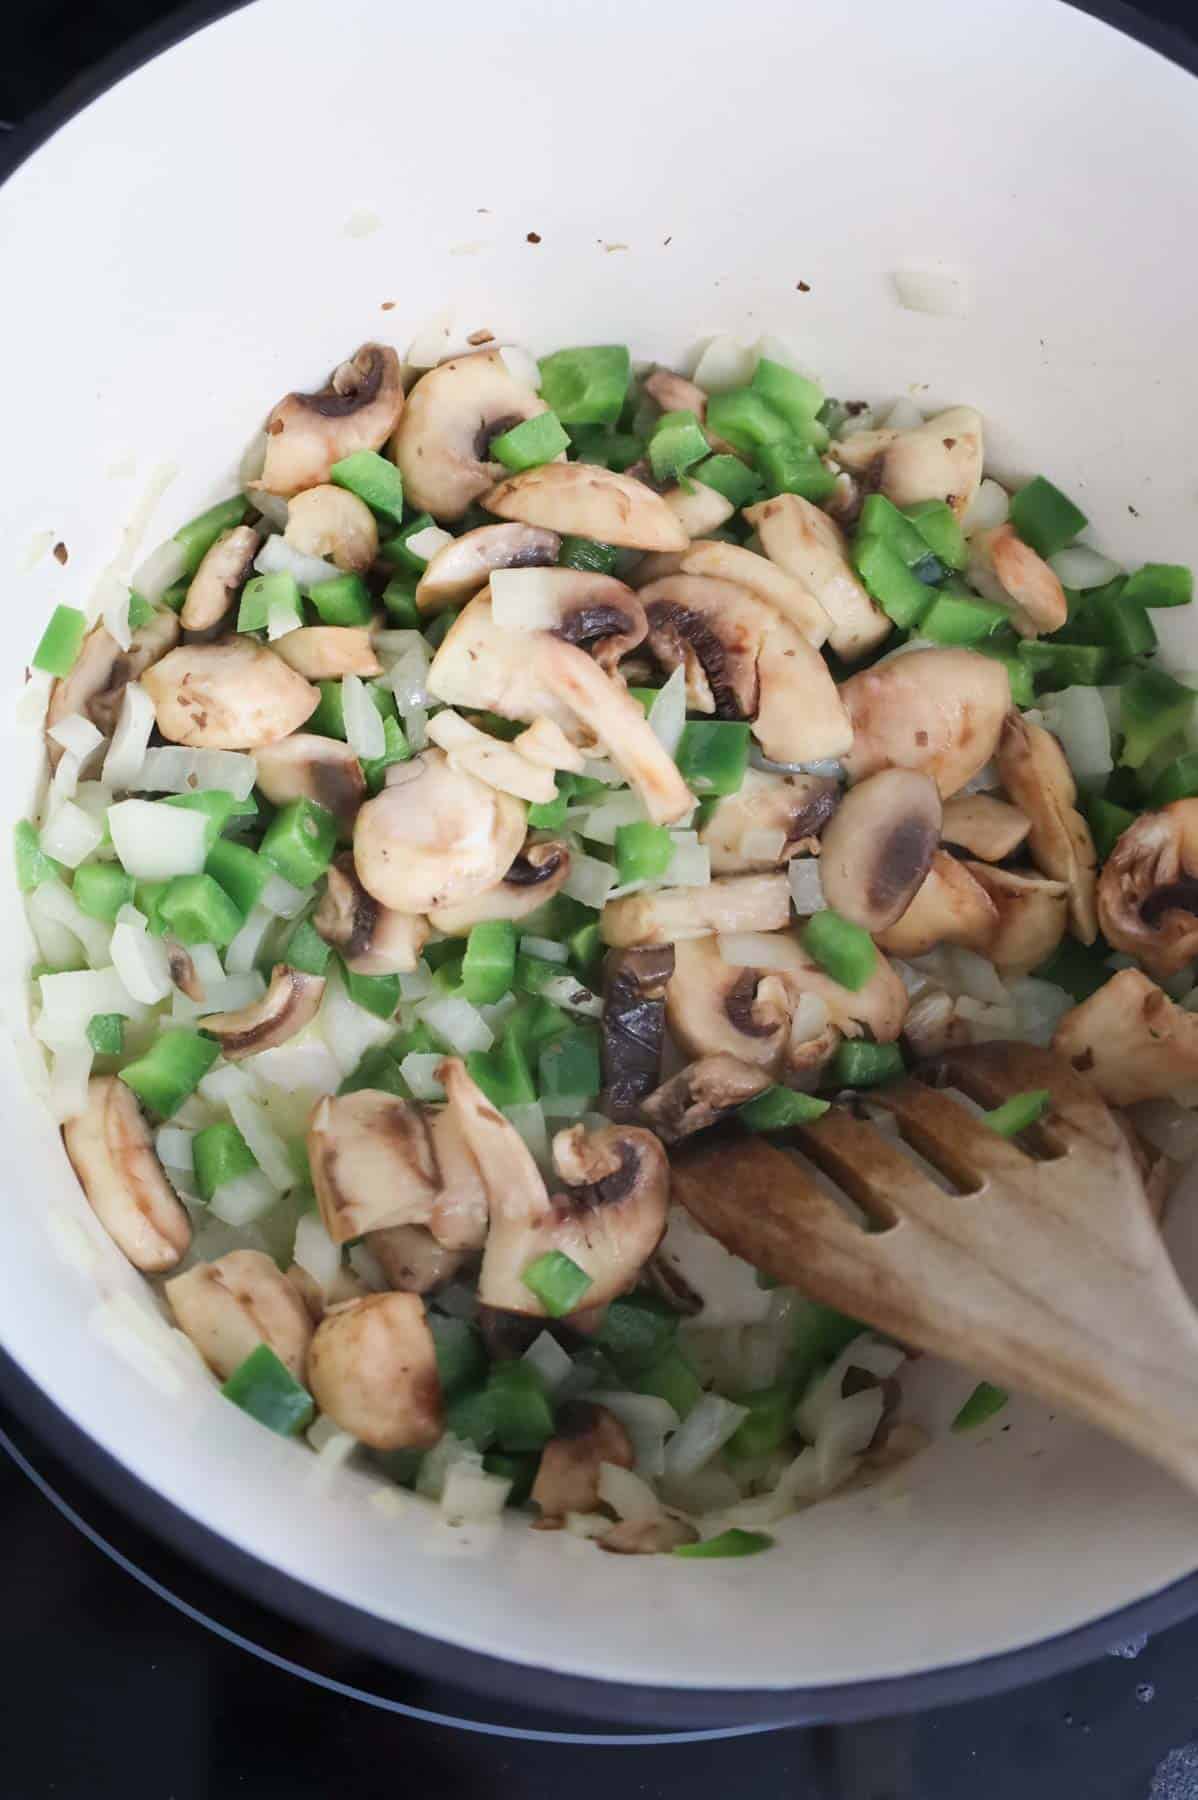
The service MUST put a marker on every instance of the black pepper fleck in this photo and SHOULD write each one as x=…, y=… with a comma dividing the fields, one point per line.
x=533, y=237
x=804, y=287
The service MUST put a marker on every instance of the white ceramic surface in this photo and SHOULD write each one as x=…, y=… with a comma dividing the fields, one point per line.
x=227, y=223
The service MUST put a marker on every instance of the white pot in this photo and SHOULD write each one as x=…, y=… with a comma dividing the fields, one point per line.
x=230, y=220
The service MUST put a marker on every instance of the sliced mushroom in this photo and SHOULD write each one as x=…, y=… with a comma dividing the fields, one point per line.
x=547, y=744
x=769, y=819
x=112, y=1152
x=444, y=438
x=1148, y=889
x=938, y=460
x=934, y=1024
x=950, y=907
x=700, y=1095
x=96, y=685
x=595, y=612
x=371, y=939
x=412, y=1259
x=372, y=1368
x=435, y=836
x=763, y=578
x=1032, y=915
x=754, y=665
x=218, y=578
x=668, y=915
x=183, y=970
x=568, y=1473
x=537, y=874
x=305, y=766
x=583, y=500
x=697, y=507
x=235, y=695
x=373, y=1163
x=327, y=652
x=936, y=710
x=674, y=393
x=1003, y=567
x=634, y=1016
x=462, y=567
x=649, y=1537
x=1131, y=1041
x=1034, y=772
x=879, y=846
x=289, y=1005
x=810, y=546
x=307, y=433
x=485, y=1162
x=608, y=1219
x=230, y=1306
x=329, y=521
x=988, y=828
x=489, y=758
x=531, y=675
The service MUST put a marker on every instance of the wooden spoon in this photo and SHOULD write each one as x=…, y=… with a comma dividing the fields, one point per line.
x=1044, y=1272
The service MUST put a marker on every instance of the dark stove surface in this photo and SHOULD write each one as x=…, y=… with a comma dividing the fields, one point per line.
x=129, y=1675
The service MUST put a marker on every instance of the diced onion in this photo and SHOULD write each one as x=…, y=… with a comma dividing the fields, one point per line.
x=115, y=613
x=57, y=945
x=628, y=1496
x=367, y=1267
x=173, y=1147
x=942, y=292
x=648, y=1421
x=523, y=600
x=315, y=1251
x=824, y=1395
x=546, y=948
x=349, y=1030
x=857, y=422
x=1078, y=716
x=141, y=961
x=243, y=1199
x=847, y=1433
x=70, y=1069
x=274, y=509
x=602, y=768
x=406, y=669
x=76, y=734
x=988, y=508
x=599, y=823
x=456, y=1022
x=587, y=1525
x=425, y=544
x=226, y=1082
x=446, y=1454
x=806, y=885
x=30, y=710
x=419, y=1070
x=707, y=1491
x=521, y=366
x=1079, y=566
x=667, y=714
x=333, y=1446
x=573, y=996
x=1039, y=1008
x=363, y=725
x=757, y=949
x=904, y=415
x=277, y=557
x=472, y=1496
x=56, y=903
x=156, y=842
x=809, y=1018
x=726, y=1285
x=282, y=618
x=417, y=983
x=71, y=835
x=724, y=363
x=127, y=751
x=431, y=342
x=228, y=994
x=283, y=899
x=64, y=785
x=589, y=881
x=70, y=1000
x=268, y=1147
x=706, y=1429
x=529, y=1120
x=160, y=570
x=242, y=953
x=550, y=1361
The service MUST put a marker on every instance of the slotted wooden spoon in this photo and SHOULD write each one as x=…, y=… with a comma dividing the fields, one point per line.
x=1046, y=1272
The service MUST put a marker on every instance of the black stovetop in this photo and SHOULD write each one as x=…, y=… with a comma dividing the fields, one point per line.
x=127, y=1675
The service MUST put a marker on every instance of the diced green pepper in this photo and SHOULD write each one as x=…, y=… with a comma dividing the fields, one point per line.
x=1065, y=665
x=845, y=950
x=471, y=1417
x=147, y=897
x=779, y=1107
x=745, y=419
x=586, y=950
x=605, y=448
x=342, y=600
x=790, y=394
x=671, y=1378
x=858, y=1064
x=32, y=864
x=373, y=479
x=106, y=1033
x=1078, y=968
x=643, y=852
x=1152, y=707
x=300, y=841
x=399, y=603
x=527, y=445
x=140, y=612
x=197, y=910
x=400, y=1466
x=677, y=444
x=217, y=806
x=264, y=593
x=378, y=994
x=176, y=594
x=220, y=1154
x=395, y=549
x=588, y=554
x=902, y=596
x=1045, y=518
x=240, y=871
x=637, y=1331
x=61, y=641
x=821, y=1333
x=1161, y=584
x=306, y=950
x=1179, y=781
x=940, y=529
x=729, y=476
x=489, y=965
x=534, y=1023
x=396, y=749
x=952, y=621
x=557, y=1282
x=522, y=1410
x=518, y=1467
x=569, y=1065
x=1023, y=686
x=1017, y=1113
x=982, y=1404
x=586, y=386
x=265, y=1388
x=503, y=1073
x=733, y=1542
x=770, y=1423
x=380, y=1071
x=534, y=973
x=199, y=534
x=1108, y=822
x=461, y=1358
x=1120, y=623
x=171, y=1069
x=550, y=815
x=791, y=467
x=102, y=889
x=881, y=518
x=713, y=755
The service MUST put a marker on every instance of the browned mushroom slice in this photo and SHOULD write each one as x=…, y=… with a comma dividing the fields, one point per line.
x=459, y=569
x=289, y=1005
x=939, y=460
x=700, y=1095
x=96, y=685
x=307, y=433
x=235, y=695
x=950, y=907
x=215, y=583
x=444, y=438
x=667, y=915
x=879, y=846
x=372, y=1368
x=583, y=500
x=435, y=836
x=595, y=612
x=770, y=819
x=988, y=828
x=1032, y=915
x=568, y=1473
x=1006, y=569
x=327, y=652
x=373, y=1163
x=112, y=1152
x=183, y=970
x=412, y=1259
x=802, y=540
x=1034, y=772
x=371, y=939
x=936, y=710
x=230, y=1306
x=305, y=766
x=1148, y=889
x=649, y=1537
x=785, y=593
x=634, y=989
x=534, y=877
x=1131, y=1041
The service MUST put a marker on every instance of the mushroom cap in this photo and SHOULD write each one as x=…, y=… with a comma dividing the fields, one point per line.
x=412, y=1259
x=112, y=1152
x=790, y=810
x=494, y=761
x=330, y=521
x=941, y=459
x=372, y=1368
x=763, y=578
x=1022, y=578
x=697, y=507
x=435, y=836
x=444, y=436
x=358, y=409
x=373, y=1163
x=583, y=500
x=230, y=1306
x=235, y=695
x=327, y=652
x=289, y=1005
x=478, y=1144
x=464, y=566
x=950, y=907
x=595, y=612
x=700, y=1095
x=1032, y=915
x=537, y=874
x=936, y=710
x=649, y=1537
x=808, y=545
x=1131, y=1041
x=989, y=828
x=669, y=915
x=96, y=685
x=634, y=1016
x=371, y=939
x=306, y=766
x=220, y=574
x=879, y=845
x=1034, y=772
x=568, y=1472
x=1148, y=889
